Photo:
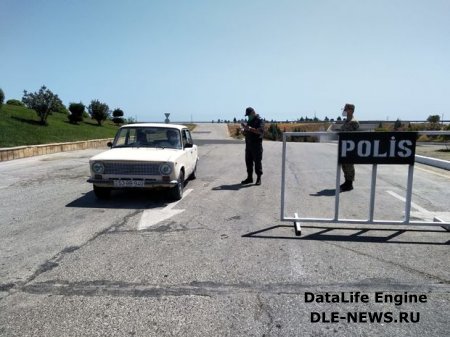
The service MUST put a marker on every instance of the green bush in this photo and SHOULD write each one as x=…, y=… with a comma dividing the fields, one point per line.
x=118, y=114
x=273, y=132
x=76, y=112
x=118, y=120
x=14, y=102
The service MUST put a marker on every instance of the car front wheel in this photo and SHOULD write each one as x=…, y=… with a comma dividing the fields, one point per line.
x=177, y=191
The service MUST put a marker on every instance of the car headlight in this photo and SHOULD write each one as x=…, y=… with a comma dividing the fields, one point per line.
x=98, y=167
x=165, y=169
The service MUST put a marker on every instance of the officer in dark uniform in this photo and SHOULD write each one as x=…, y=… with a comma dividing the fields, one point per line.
x=253, y=132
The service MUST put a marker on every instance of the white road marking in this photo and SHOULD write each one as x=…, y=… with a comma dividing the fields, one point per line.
x=422, y=213
x=432, y=172
x=151, y=217
x=413, y=205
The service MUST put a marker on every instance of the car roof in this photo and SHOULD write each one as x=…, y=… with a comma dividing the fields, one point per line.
x=153, y=125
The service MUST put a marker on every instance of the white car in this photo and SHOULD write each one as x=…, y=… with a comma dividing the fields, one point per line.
x=146, y=155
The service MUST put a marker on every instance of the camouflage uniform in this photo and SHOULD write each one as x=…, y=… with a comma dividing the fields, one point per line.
x=349, y=169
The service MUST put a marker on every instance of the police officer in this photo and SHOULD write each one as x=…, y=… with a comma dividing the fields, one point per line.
x=350, y=124
x=253, y=132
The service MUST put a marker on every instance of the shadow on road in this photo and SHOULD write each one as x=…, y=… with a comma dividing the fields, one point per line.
x=324, y=235
x=233, y=187
x=325, y=193
x=132, y=199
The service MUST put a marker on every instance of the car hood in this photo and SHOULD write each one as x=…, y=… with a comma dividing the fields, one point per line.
x=139, y=154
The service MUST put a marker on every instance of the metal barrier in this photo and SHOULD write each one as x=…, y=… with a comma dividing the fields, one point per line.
x=389, y=157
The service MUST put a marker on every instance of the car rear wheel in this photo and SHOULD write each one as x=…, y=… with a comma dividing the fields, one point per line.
x=102, y=192
x=177, y=191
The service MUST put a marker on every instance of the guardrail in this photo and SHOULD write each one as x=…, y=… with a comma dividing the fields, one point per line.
x=18, y=152
x=379, y=143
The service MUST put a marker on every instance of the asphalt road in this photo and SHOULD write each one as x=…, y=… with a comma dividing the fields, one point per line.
x=220, y=262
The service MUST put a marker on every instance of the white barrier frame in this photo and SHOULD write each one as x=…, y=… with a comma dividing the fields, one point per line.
x=296, y=219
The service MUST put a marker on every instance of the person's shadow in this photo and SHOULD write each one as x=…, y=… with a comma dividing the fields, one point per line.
x=325, y=193
x=233, y=187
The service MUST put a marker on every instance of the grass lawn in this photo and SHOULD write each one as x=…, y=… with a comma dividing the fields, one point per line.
x=20, y=126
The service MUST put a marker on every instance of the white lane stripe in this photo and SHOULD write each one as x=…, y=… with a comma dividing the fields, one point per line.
x=432, y=172
x=151, y=217
x=413, y=205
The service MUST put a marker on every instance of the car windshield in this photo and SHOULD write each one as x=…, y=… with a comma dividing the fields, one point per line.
x=157, y=137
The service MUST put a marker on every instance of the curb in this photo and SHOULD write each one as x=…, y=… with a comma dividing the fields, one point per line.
x=443, y=164
x=18, y=152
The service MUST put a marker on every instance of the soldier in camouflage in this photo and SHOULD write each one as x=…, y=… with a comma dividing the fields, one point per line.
x=350, y=124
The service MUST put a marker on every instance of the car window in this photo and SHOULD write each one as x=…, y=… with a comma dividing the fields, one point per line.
x=186, y=137
x=124, y=137
x=185, y=141
x=159, y=137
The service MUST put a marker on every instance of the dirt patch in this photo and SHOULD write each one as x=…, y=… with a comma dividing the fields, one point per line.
x=434, y=151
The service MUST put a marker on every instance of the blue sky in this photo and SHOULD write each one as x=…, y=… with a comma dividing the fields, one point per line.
x=203, y=60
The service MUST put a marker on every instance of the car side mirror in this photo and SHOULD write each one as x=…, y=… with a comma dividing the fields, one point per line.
x=188, y=145
x=109, y=144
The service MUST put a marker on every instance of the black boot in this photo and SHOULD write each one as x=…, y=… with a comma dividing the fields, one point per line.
x=258, y=180
x=249, y=180
x=346, y=186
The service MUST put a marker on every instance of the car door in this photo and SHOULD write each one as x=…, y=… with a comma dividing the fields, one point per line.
x=191, y=152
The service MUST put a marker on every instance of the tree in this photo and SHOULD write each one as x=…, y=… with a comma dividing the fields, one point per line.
x=130, y=120
x=43, y=102
x=274, y=132
x=434, y=119
x=397, y=124
x=76, y=112
x=118, y=114
x=2, y=97
x=58, y=106
x=98, y=111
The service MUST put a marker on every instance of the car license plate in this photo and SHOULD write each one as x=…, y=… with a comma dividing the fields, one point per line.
x=128, y=183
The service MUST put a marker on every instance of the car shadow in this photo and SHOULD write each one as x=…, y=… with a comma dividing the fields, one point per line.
x=358, y=235
x=233, y=187
x=124, y=199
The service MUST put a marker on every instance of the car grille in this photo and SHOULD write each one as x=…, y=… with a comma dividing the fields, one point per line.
x=138, y=169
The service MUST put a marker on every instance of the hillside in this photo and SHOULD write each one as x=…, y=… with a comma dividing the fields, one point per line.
x=20, y=126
